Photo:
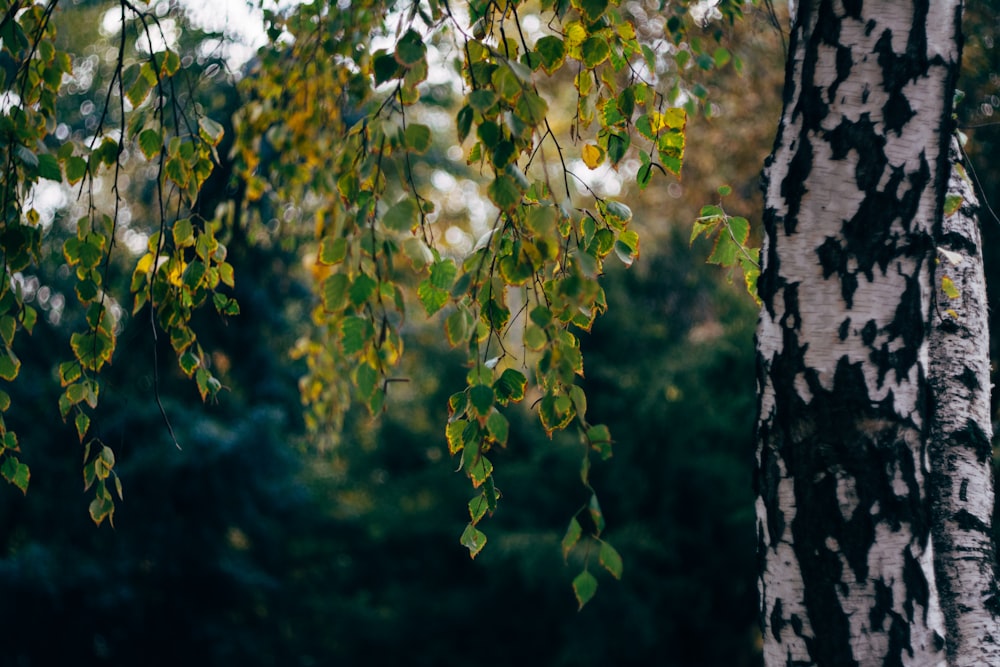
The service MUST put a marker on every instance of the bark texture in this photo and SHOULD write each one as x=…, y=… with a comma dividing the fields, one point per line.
x=853, y=194
x=961, y=485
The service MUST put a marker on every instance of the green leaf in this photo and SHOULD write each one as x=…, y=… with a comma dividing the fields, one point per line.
x=101, y=508
x=454, y=434
x=610, y=560
x=464, y=123
x=10, y=365
x=627, y=247
x=82, y=422
x=481, y=398
x=362, y=289
x=505, y=192
x=150, y=142
x=579, y=398
x=599, y=438
x=480, y=470
x=404, y=215
x=617, y=146
x=473, y=539
x=175, y=170
x=385, y=68
x=482, y=100
x=591, y=9
x=510, y=387
x=356, y=332
x=366, y=379
x=595, y=50
x=332, y=250
x=171, y=62
x=335, y=292
x=48, y=167
x=458, y=327
x=619, y=211
x=417, y=252
x=498, y=428
x=531, y=108
x=552, y=51
x=506, y=83
x=584, y=587
x=76, y=168
x=432, y=298
x=8, y=325
x=210, y=131
x=16, y=473
x=410, y=49
x=729, y=241
x=443, y=274
x=572, y=537
x=188, y=362
x=139, y=91
x=611, y=115
x=596, y=515
x=721, y=57
x=478, y=507
x=534, y=337
x=417, y=138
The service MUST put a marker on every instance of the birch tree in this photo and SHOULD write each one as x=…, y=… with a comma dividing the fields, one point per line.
x=874, y=478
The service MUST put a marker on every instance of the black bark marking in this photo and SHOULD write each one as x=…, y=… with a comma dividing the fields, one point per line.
x=761, y=570
x=906, y=324
x=967, y=521
x=852, y=8
x=882, y=607
x=777, y=621
x=860, y=136
x=917, y=589
x=796, y=624
x=793, y=187
x=968, y=378
x=770, y=276
x=963, y=491
x=844, y=329
x=958, y=242
x=869, y=332
x=791, y=319
x=972, y=437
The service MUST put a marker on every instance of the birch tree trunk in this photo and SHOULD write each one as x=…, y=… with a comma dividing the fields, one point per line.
x=961, y=480
x=853, y=200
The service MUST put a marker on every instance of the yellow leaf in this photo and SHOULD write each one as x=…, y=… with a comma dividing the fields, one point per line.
x=575, y=34
x=593, y=156
x=948, y=287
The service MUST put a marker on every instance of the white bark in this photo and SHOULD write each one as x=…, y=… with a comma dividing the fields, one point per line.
x=854, y=190
x=960, y=450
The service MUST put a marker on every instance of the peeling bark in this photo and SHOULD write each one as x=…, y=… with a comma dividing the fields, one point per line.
x=961, y=481
x=853, y=195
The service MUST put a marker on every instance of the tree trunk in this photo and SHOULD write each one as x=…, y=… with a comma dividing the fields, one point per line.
x=961, y=480
x=853, y=199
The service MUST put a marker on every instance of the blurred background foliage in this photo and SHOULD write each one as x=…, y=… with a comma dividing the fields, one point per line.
x=254, y=545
